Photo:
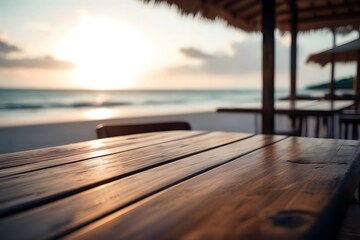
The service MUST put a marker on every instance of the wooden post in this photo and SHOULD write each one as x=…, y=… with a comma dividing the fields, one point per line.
x=357, y=80
x=268, y=66
x=293, y=52
x=332, y=81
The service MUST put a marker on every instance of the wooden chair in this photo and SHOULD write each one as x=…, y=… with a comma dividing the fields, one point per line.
x=121, y=130
x=349, y=120
x=299, y=125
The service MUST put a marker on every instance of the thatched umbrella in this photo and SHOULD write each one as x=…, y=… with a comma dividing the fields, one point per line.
x=259, y=15
x=348, y=52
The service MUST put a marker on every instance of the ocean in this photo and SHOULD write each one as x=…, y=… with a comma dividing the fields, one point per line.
x=25, y=106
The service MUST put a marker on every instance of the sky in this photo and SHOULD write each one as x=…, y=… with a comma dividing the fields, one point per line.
x=128, y=44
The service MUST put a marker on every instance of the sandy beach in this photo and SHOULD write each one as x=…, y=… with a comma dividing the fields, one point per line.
x=55, y=127
x=20, y=137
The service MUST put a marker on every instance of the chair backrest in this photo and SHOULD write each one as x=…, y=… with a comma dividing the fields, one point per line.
x=349, y=118
x=121, y=130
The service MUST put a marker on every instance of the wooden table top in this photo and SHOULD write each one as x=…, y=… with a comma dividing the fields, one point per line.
x=179, y=184
x=298, y=106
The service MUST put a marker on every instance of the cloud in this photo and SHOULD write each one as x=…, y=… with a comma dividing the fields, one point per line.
x=7, y=48
x=244, y=58
x=42, y=63
x=194, y=53
x=46, y=62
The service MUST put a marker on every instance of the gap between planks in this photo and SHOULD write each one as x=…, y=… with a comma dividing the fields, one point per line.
x=91, y=205
x=251, y=196
x=80, y=149
x=29, y=190
x=114, y=149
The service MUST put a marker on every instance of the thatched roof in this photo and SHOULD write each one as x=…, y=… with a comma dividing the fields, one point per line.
x=347, y=52
x=246, y=14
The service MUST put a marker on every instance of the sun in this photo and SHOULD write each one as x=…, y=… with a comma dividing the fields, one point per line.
x=109, y=54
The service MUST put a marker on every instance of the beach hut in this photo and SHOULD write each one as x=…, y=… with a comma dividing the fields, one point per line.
x=265, y=16
x=348, y=52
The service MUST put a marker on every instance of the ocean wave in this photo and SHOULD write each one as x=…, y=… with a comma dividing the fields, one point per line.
x=34, y=106
x=15, y=106
x=109, y=104
x=83, y=104
x=161, y=102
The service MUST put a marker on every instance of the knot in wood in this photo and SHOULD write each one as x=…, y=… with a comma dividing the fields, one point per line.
x=290, y=218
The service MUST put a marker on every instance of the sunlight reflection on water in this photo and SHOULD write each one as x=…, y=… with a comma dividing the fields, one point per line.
x=99, y=113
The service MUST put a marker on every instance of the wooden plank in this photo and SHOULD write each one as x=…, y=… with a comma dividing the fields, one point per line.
x=293, y=189
x=123, y=146
x=31, y=189
x=242, y=107
x=12, y=159
x=80, y=209
x=45, y=154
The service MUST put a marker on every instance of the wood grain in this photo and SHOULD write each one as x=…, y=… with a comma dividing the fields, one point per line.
x=293, y=189
x=19, y=158
x=120, y=145
x=31, y=189
x=45, y=154
x=77, y=210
